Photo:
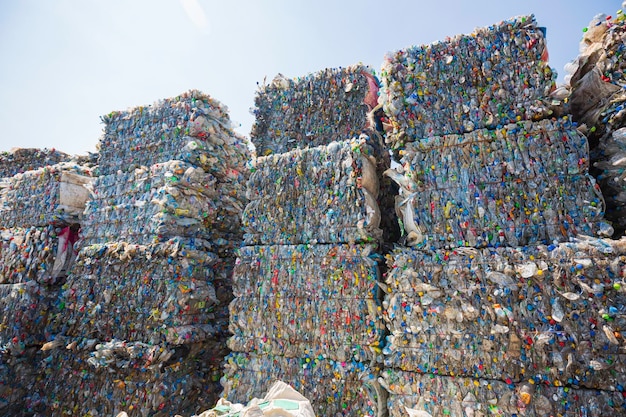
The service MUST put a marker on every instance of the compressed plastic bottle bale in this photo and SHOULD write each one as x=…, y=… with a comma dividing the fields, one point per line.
x=412, y=394
x=550, y=312
x=307, y=300
x=496, y=75
x=24, y=311
x=597, y=101
x=17, y=375
x=314, y=110
x=41, y=254
x=50, y=195
x=170, y=199
x=326, y=194
x=160, y=292
x=610, y=161
x=333, y=387
x=192, y=127
x=20, y=160
x=526, y=183
x=596, y=77
x=73, y=383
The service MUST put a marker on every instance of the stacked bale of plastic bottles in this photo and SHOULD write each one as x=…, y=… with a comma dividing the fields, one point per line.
x=307, y=304
x=491, y=304
x=594, y=93
x=153, y=268
x=40, y=214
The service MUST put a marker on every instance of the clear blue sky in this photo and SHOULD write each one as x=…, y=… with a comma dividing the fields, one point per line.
x=66, y=62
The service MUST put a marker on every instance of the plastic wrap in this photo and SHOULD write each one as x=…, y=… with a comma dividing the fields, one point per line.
x=423, y=395
x=329, y=105
x=306, y=301
x=326, y=194
x=41, y=254
x=524, y=184
x=160, y=381
x=155, y=293
x=333, y=387
x=51, y=195
x=19, y=160
x=281, y=399
x=496, y=75
x=554, y=313
x=192, y=127
x=171, y=199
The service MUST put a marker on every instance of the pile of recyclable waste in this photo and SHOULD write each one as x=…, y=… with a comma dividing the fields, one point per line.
x=156, y=293
x=595, y=94
x=42, y=196
x=524, y=183
x=504, y=300
x=324, y=194
x=88, y=377
x=192, y=127
x=329, y=105
x=493, y=76
x=20, y=160
x=40, y=254
x=306, y=280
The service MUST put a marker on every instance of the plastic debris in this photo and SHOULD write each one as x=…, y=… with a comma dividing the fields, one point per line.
x=20, y=160
x=333, y=387
x=326, y=194
x=552, y=313
x=50, y=195
x=306, y=301
x=525, y=183
x=496, y=75
x=329, y=105
x=428, y=395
